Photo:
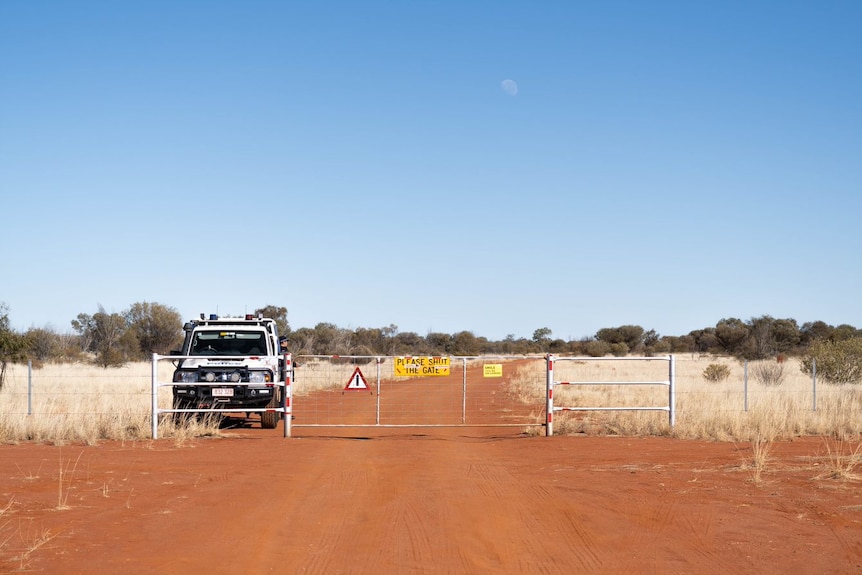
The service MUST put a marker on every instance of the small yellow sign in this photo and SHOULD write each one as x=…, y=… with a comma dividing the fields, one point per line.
x=493, y=370
x=421, y=366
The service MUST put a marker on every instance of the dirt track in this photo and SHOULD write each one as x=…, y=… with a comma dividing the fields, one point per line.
x=452, y=501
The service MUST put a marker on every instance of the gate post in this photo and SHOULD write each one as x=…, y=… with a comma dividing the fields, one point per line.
x=549, y=400
x=671, y=379
x=155, y=394
x=29, y=387
x=286, y=402
x=378, y=360
x=464, y=390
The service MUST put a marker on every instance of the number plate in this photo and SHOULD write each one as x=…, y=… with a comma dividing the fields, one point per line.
x=222, y=392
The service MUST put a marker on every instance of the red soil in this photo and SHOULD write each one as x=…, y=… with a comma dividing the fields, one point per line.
x=442, y=501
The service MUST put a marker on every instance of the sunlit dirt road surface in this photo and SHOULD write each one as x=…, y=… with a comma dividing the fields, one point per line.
x=413, y=501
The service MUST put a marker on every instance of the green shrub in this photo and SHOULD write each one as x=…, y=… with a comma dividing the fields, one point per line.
x=597, y=348
x=716, y=372
x=619, y=349
x=836, y=361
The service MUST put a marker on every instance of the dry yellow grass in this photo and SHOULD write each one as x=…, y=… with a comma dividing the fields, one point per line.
x=841, y=461
x=83, y=403
x=321, y=374
x=704, y=410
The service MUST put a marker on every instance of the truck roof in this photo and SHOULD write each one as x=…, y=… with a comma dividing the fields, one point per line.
x=244, y=321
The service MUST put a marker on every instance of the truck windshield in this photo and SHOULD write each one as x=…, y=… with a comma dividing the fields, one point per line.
x=226, y=342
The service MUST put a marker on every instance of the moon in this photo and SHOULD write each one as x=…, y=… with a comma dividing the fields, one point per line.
x=510, y=87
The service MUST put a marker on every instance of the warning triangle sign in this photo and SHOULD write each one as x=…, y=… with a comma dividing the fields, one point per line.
x=356, y=382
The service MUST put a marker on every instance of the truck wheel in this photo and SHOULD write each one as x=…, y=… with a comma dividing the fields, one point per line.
x=269, y=419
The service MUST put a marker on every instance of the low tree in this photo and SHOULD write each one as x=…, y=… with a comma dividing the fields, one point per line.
x=558, y=346
x=279, y=314
x=597, y=348
x=815, y=330
x=662, y=346
x=438, y=343
x=302, y=341
x=835, y=361
x=108, y=337
x=630, y=335
x=375, y=340
x=541, y=337
x=44, y=343
x=619, y=349
x=407, y=342
x=465, y=343
x=653, y=343
x=677, y=344
x=704, y=340
x=157, y=328
x=844, y=332
x=329, y=339
x=13, y=346
x=732, y=334
x=769, y=337
x=83, y=326
x=785, y=336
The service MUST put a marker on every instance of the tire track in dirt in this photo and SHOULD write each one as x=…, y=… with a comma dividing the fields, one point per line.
x=566, y=532
x=568, y=525
x=327, y=503
x=433, y=504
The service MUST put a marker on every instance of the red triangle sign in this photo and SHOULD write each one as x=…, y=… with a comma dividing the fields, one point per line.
x=356, y=382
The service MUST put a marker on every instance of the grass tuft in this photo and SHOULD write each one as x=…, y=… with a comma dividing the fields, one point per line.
x=842, y=460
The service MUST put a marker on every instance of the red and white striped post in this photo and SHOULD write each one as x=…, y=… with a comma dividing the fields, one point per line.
x=549, y=402
x=287, y=396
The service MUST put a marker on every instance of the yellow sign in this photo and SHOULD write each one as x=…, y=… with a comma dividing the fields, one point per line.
x=493, y=370
x=421, y=366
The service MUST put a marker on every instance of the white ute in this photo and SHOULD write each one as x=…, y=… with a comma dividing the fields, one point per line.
x=230, y=363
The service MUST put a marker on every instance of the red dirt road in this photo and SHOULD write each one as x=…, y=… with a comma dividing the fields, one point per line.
x=449, y=501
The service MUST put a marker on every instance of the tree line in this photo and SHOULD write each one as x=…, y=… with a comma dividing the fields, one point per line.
x=112, y=339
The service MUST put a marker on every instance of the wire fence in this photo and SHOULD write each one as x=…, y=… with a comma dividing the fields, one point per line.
x=86, y=403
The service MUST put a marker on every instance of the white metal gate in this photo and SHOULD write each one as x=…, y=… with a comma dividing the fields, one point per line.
x=417, y=391
x=610, y=380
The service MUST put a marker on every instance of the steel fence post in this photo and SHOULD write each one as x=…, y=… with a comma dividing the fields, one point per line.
x=463, y=390
x=672, y=390
x=155, y=396
x=29, y=387
x=377, y=417
x=549, y=398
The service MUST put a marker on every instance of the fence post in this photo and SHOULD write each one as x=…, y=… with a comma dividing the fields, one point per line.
x=286, y=401
x=549, y=398
x=379, y=361
x=671, y=391
x=745, y=384
x=464, y=390
x=29, y=387
x=155, y=393
x=814, y=383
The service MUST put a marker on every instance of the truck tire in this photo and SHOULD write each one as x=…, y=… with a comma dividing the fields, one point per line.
x=269, y=419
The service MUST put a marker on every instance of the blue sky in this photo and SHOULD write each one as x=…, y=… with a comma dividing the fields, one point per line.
x=666, y=164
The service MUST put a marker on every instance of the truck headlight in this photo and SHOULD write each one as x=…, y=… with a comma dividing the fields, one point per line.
x=186, y=376
x=258, y=376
